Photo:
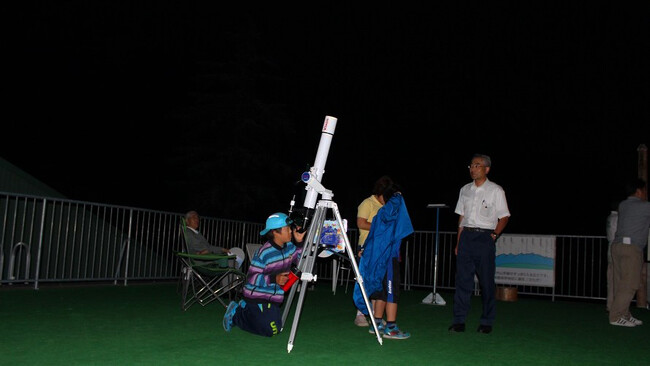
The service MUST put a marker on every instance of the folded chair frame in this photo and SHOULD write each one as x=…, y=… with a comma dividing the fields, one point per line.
x=205, y=281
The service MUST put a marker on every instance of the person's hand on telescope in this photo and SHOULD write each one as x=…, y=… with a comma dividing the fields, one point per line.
x=297, y=234
x=282, y=278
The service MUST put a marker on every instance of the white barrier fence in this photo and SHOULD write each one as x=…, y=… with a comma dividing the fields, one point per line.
x=54, y=240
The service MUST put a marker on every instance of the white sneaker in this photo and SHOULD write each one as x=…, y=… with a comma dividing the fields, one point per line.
x=634, y=320
x=622, y=322
x=361, y=321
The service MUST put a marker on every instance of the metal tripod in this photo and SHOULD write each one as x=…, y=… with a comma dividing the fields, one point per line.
x=306, y=266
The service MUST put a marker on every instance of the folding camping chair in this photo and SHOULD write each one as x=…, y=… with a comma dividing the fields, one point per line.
x=207, y=277
x=251, y=249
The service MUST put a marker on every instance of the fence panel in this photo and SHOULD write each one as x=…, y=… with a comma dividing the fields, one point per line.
x=55, y=240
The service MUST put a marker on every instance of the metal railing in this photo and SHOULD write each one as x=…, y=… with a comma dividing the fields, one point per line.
x=55, y=240
x=580, y=265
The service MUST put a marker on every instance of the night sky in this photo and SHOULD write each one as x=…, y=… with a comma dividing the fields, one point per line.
x=177, y=105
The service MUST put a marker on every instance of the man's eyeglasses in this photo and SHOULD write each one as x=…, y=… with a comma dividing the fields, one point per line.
x=475, y=166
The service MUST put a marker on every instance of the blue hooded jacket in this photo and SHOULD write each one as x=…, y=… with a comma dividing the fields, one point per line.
x=391, y=224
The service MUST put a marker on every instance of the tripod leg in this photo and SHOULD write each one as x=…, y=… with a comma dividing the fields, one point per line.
x=306, y=266
x=348, y=249
x=309, y=251
x=296, y=317
x=287, y=304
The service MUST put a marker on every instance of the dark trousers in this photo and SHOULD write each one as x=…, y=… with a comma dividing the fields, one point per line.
x=263, y=319
x=390, y=284
x=476, y=255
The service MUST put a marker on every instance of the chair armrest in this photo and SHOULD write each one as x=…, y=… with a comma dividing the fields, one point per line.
x=206, y=257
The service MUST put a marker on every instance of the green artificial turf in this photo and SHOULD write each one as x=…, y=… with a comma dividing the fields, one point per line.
x=143, y=324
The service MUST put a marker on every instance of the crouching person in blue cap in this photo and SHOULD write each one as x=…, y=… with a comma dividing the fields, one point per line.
x=259, y=312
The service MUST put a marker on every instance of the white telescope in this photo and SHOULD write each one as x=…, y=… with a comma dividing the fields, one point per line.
x=315, y=174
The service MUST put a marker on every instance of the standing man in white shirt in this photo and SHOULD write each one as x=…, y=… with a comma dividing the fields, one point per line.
x=484, y=214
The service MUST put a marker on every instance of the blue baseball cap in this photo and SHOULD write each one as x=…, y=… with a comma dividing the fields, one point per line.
x=276, y=221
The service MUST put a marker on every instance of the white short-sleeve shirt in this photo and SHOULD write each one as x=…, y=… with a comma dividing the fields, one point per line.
x=482, y=206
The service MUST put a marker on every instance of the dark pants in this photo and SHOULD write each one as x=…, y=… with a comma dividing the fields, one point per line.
x=263, y=319
x=390, y=284
x=476, y=255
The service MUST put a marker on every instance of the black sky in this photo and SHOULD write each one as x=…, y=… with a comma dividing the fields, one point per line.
x=177, y=106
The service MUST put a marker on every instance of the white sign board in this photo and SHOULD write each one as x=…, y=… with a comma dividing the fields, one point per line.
x=525, y=260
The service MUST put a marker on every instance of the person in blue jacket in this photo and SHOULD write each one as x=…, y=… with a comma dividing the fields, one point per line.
x=379, y=266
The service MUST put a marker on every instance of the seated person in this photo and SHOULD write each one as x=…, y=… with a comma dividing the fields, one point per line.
x=198, y=244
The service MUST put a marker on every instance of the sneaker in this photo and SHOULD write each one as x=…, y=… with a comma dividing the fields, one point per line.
x=361, y=321
x=634, y=320
x=394, y=333
x=230, y=313
x=380, y=327
x=622, y=322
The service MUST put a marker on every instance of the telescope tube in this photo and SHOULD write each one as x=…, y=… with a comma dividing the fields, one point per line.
x=321, y=158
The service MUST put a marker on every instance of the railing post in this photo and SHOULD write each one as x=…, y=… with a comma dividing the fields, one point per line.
x=2, y=238
x=407, y=277
x=40, y=245
x=128, y=248
x=126, y=245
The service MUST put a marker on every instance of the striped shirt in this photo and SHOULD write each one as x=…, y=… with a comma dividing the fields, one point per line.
x=269, y=261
